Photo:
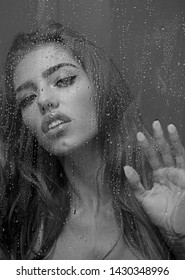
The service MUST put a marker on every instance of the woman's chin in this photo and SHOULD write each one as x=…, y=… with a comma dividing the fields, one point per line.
x=68, y=147
x=63, y=148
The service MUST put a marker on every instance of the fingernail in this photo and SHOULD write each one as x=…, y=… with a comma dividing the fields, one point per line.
x=140, y=136
x=128, y=171
x=171, y=128
x=156, y=124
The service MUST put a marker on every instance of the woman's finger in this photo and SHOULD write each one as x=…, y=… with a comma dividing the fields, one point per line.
x=163, y=145
x=134, y=180
x=149, y=151
x=177, y=146
x=172, y=175
x=159, y=176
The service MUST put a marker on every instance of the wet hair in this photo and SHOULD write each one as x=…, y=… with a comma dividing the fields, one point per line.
x=37, y=189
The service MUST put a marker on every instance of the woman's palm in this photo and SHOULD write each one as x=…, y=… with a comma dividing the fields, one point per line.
x=164, y=203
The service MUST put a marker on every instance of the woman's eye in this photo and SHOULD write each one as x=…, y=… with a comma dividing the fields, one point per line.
x=65, y=82
x=26, y=101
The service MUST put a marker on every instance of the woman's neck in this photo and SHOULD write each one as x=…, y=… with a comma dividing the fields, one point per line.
x=81, y=168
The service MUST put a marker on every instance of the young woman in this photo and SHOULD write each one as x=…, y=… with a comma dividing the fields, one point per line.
x=69, y=128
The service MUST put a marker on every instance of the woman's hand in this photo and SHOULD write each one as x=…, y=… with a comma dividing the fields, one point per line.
x=165, y=202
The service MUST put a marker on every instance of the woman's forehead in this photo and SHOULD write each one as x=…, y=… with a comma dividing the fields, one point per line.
x=46, y=53
x=41, y=58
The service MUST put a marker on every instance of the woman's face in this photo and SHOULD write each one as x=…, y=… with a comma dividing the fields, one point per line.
x=55, y=96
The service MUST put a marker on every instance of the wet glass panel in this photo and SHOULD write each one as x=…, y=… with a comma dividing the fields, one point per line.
x=68, y=127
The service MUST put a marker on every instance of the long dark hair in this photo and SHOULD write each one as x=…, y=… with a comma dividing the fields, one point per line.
x=37, y=185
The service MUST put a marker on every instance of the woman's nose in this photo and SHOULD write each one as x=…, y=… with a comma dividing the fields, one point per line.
x=47, y=102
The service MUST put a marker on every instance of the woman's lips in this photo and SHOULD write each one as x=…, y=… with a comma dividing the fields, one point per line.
x=54, y=120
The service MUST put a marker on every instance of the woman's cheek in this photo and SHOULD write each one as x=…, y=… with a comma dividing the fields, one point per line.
x=30, y=121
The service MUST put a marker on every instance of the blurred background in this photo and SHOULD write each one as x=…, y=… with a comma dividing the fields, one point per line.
x=146, y=39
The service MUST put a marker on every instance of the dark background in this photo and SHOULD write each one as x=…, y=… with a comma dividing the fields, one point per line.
x=146, y=38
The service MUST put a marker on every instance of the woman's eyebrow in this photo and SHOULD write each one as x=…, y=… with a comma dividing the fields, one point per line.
x=26, y=85
x=45, y=74
x=54, y=68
